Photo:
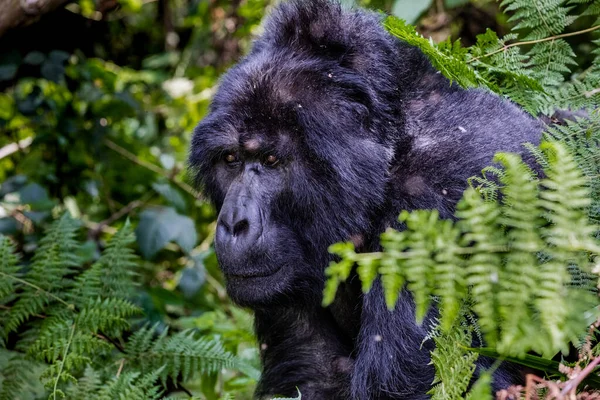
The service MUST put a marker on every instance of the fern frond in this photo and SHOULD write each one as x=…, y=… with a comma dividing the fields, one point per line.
x=18, y=376
x=109, y=316
x=9, y=270
x=448, y=58
x=87, y=386
x=454, y=366
x=132, y=386
x=112, y=276
x=419, y=268
x=551, y=61
x=521, y=217
x=48, y=279
x=542, y=18
x=183, y=355
x=480, y=222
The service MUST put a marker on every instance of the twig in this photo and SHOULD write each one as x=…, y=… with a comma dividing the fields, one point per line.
x=506, y=47
x=111, y=341
x=120, y=213
x=62, y=362
x=592, y=92
x=24, y=282
x=221, y=292
x=120, y=367
x=184, y=390
x=132, y=157
x=573, y=383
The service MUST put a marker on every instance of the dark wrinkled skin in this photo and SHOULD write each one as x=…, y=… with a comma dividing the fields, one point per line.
x=361, y=127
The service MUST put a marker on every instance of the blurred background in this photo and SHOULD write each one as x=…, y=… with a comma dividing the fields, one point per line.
x=98, y=99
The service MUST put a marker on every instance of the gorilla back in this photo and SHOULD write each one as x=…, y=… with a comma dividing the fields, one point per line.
x=323, y=133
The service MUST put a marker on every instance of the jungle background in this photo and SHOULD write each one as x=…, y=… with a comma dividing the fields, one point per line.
x=98, y=99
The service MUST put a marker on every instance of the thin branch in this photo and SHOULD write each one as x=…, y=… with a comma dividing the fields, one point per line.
x=24, y=282
x=62, y=362
x=111, y=341
x=132, y=157
x=120, y=213
x=184, y=390
x=506, y=47
x=573, y=383
x=120, y=367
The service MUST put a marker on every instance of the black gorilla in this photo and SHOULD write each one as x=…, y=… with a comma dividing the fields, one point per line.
x=324, y=133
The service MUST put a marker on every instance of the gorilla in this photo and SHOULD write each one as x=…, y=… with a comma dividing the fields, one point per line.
x=325, y=132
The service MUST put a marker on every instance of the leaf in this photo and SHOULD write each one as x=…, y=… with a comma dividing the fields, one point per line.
x=59, y=56
x=12, y=184
x=162, y=225
x=171, y=194
x=192, y=279
x=52, y=71
x=7, y=72
x=8, y=226
x=34, y=58
x=410, y=10
x=36, y=196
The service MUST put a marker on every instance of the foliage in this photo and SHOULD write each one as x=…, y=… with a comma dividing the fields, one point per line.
x=80, y=337
x=534, y=78
x=523, y=252
x=513, y=257
x=100, y=128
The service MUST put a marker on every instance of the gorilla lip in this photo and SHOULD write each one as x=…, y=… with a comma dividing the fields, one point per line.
x=257, y=274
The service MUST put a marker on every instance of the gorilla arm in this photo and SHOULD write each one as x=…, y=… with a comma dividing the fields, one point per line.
x=301, y=348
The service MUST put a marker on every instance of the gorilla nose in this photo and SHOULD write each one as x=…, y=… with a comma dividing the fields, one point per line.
x=233, y=226
x=238, y=227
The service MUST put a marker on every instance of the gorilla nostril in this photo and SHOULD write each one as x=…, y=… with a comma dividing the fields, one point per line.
x=241, y=227
x=224, y=225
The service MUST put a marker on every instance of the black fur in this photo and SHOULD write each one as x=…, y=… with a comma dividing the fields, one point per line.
x=363, y=127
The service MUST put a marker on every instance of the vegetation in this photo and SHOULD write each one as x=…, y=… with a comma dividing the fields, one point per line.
x=109, y=287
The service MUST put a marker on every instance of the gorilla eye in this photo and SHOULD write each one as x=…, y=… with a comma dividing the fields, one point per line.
x=271, y=160
x=230, y=158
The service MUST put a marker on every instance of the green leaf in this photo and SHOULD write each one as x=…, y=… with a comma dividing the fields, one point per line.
x=172, y=195
x=160, y=226
x=36, y=196
x=59, y=56
x=52, y=72
x=7, y=72
x=192, y=279
x=34, y=58
x=410, y=10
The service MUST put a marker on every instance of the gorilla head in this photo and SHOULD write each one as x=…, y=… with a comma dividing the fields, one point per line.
x=292, y=147
x=323, y=133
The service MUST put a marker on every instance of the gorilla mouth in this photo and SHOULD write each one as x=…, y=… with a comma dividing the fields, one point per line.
x=251, y=274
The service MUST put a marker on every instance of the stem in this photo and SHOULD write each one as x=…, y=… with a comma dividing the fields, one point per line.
x=62, y=362
x=24, y=282
x=120, y=213
x=572, y=384
x=132, y=157
x=506, y=47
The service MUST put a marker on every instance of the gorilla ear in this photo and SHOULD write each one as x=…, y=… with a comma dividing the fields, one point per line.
x=318, y=27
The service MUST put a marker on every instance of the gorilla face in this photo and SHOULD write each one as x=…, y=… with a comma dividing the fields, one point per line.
x=286, y=155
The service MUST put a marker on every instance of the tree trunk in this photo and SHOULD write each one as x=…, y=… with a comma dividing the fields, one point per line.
x=20, y=12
